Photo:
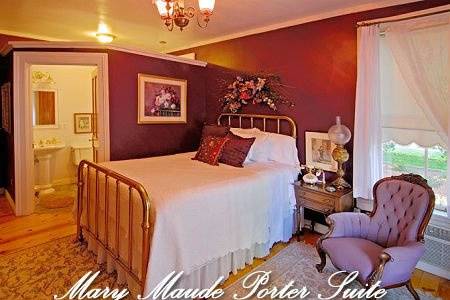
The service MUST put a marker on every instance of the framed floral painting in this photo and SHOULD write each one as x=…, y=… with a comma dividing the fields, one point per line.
x=319, y=149
x=161, y=100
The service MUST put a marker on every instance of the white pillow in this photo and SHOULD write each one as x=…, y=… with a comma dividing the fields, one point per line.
x=246, y=131
x=259, y=152
x=282, y=149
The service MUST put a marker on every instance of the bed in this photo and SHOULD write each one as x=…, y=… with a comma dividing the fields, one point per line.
x=148, y=217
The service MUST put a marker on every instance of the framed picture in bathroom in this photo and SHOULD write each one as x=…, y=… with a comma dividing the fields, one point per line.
x=82, y=123
x=6, y=106
x=161, y=100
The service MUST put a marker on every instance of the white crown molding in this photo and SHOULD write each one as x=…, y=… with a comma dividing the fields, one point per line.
x=88, y=45
x=408, y=15
x=294, y=22
x=31, y=36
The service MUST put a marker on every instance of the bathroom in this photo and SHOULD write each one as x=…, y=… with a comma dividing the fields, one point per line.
x=63, y=131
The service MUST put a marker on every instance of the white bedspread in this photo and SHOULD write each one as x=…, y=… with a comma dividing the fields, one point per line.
x=204, y=212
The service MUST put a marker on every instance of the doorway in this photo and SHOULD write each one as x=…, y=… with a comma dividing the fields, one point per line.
x=42, y=104
x=63, y=98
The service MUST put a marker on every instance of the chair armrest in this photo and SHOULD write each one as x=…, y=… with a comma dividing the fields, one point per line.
x=403, y=260
x=411, y=252
x=348, y=224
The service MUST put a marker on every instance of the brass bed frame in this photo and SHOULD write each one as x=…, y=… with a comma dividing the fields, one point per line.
x=89, y=172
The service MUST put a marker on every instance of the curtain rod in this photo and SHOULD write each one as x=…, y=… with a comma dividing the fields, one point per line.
x=368, y=23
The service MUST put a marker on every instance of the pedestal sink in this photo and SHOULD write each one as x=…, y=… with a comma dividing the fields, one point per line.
x=43, y=155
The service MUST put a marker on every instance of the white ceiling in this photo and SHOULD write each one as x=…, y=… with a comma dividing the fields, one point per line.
x=136, y=23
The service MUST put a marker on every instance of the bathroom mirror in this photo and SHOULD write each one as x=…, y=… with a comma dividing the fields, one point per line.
x=45, y=109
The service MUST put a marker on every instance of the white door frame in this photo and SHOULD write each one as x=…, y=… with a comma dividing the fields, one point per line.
x=23, y=127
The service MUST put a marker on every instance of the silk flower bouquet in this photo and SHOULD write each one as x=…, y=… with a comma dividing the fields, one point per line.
x=253, y=89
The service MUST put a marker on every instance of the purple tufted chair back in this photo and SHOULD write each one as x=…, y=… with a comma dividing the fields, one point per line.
x=403, y=207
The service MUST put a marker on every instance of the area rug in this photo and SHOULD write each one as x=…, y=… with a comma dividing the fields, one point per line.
x=54, y=267
x=57, y=199
x=296, y=262
x=48, y=269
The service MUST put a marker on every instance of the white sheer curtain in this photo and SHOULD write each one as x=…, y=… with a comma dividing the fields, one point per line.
x=420, y=48
x=403, y=121
x=367, y=150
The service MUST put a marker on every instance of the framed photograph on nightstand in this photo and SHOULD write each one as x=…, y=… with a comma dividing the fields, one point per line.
x=318, y=151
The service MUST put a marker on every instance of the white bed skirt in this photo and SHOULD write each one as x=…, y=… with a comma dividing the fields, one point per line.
x=205, y=276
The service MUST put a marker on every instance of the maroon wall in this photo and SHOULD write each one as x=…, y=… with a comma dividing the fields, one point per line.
x=131, y=140
x=128, y=139
x=316, y=60
x=7, y=139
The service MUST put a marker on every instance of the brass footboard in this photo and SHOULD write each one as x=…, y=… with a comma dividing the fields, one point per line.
x=88, y=178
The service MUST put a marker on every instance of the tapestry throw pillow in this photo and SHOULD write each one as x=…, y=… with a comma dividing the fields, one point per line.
x=210, y=150
x=259, y=152
x=235, y=150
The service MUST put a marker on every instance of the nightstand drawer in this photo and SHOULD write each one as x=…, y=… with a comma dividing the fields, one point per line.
x=317, y=206
x=315, y=197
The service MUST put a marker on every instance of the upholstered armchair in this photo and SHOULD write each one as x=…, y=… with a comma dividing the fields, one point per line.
x=386, y=245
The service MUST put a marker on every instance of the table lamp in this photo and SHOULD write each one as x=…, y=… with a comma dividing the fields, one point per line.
x=340, y=135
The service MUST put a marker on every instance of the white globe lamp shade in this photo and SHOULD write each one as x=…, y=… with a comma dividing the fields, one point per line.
x=206, y=6
x=338, y=133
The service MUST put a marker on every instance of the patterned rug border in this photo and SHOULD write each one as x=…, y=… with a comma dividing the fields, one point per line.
x=285, y=249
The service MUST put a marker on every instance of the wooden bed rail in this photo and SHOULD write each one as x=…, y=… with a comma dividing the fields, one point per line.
x=86, y=169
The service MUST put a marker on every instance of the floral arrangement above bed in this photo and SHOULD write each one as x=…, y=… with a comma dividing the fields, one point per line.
x=253, y=89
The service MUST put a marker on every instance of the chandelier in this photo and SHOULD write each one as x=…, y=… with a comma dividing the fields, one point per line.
x=174, y=13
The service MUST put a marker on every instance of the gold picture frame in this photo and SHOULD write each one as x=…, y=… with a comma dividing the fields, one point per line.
x=161, y=100
x=82, y=123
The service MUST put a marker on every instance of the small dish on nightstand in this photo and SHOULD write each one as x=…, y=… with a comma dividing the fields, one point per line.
x=330, y=189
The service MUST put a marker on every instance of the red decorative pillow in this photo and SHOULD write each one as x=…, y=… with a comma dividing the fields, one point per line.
x=210, y=149
x=235, y=150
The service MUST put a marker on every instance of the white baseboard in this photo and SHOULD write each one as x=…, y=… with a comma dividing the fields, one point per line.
x=320, y=228
x=433, y=270
x=364, y=204
x=10, y=200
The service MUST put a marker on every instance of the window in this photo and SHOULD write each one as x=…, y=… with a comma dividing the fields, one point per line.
x=429, y=162
x=410, y=143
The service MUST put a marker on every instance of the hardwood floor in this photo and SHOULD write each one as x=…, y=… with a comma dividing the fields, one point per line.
x=17, y=233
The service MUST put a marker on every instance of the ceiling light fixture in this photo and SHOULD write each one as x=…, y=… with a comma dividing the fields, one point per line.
x=173, y=13
x=103, y=35
x=105, y=38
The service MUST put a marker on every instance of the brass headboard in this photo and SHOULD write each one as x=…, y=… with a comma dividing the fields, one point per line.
x=265, y=119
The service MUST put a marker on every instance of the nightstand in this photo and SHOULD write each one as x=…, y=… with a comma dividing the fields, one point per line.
x=316, y=198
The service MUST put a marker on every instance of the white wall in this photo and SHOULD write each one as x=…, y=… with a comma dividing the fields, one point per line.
x=74, y=95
